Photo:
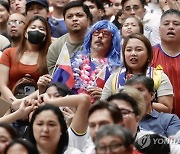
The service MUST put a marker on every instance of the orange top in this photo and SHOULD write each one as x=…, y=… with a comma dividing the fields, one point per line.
x=17, y=69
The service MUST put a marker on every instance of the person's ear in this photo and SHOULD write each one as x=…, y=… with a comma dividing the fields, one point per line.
x=152, y=96
x=137, y=118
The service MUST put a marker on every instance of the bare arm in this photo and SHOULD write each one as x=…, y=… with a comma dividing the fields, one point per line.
x=22, y=112
x=4, y=80
x=81, y=102
x=164, y=104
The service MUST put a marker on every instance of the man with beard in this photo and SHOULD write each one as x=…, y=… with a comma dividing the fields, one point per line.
x=77, y=18
x=15, y=28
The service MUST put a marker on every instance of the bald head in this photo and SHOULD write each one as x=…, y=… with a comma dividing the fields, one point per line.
x=15, y=26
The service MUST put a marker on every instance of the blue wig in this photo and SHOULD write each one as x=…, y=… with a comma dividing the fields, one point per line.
x=115, y=52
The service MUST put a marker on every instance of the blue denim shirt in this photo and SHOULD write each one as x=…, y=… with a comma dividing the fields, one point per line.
x=164, y=124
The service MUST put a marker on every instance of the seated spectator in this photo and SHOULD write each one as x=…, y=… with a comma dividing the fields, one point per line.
x=115, y=139
x=17, y=6
x=131, y=25
x=92, y=67
x=15, y=28
x=96, y=8
x=164, y=124
x=22, y=146
x=7, y=133
x=57, y=141
x=167, y=53
x=4, y=15
x=150, y=21
x=37, y=8
x=110, y=114
x=132, y=106
x=28, y=58
x=73, y=40
x=56, y=20
x=137, y=56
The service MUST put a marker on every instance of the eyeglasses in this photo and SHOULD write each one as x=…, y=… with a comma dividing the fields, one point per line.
x=134, y=7
x=105, y=33
x=126, y=112
x=15, y=22
x=102, y=149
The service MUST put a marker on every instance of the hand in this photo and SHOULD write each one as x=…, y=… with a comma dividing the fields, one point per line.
x=95, y=92
x=43, y=98
x=26, y=107
x=68, y=114
x=43, y=82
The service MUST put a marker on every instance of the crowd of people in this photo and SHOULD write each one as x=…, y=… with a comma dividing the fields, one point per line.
x=90, y=76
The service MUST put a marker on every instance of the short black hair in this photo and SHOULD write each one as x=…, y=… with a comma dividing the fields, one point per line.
x=98, y=3
x=170, y=12
x=62, y=88
x=113, y=109
x=143, y=2
x=127, y=98
x=77, y=3
x=141, y=78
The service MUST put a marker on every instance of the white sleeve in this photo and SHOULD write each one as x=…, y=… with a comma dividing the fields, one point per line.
x=76, y=140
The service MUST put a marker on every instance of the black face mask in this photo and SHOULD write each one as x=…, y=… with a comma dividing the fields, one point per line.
x=36, y=37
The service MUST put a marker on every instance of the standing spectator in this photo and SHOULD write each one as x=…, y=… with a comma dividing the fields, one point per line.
x=28, y=58
x=37, y=7
x=151, y=22
x=15, y=28
x=56, y=21
x=77, y=18
x=167, y=54
x=17, y=6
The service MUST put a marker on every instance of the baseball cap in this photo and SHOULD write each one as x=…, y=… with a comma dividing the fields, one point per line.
x=41, y=2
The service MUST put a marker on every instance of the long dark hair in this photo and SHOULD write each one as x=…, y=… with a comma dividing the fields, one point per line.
x=43, y=47
x=63, y=142
x=148, y=46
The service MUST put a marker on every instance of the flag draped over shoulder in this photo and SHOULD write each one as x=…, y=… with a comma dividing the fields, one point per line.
x=64, y=73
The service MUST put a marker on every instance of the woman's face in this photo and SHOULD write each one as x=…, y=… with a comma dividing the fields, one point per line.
x=17, y=149
x=136, y=55
x=129, y=27
x=5, y=138
x=46, y=129
x=53, y=92
x=4, y=14
x=37, y=25
x=111, y=144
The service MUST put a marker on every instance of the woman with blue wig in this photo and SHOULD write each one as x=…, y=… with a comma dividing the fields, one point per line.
x=101, y=56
